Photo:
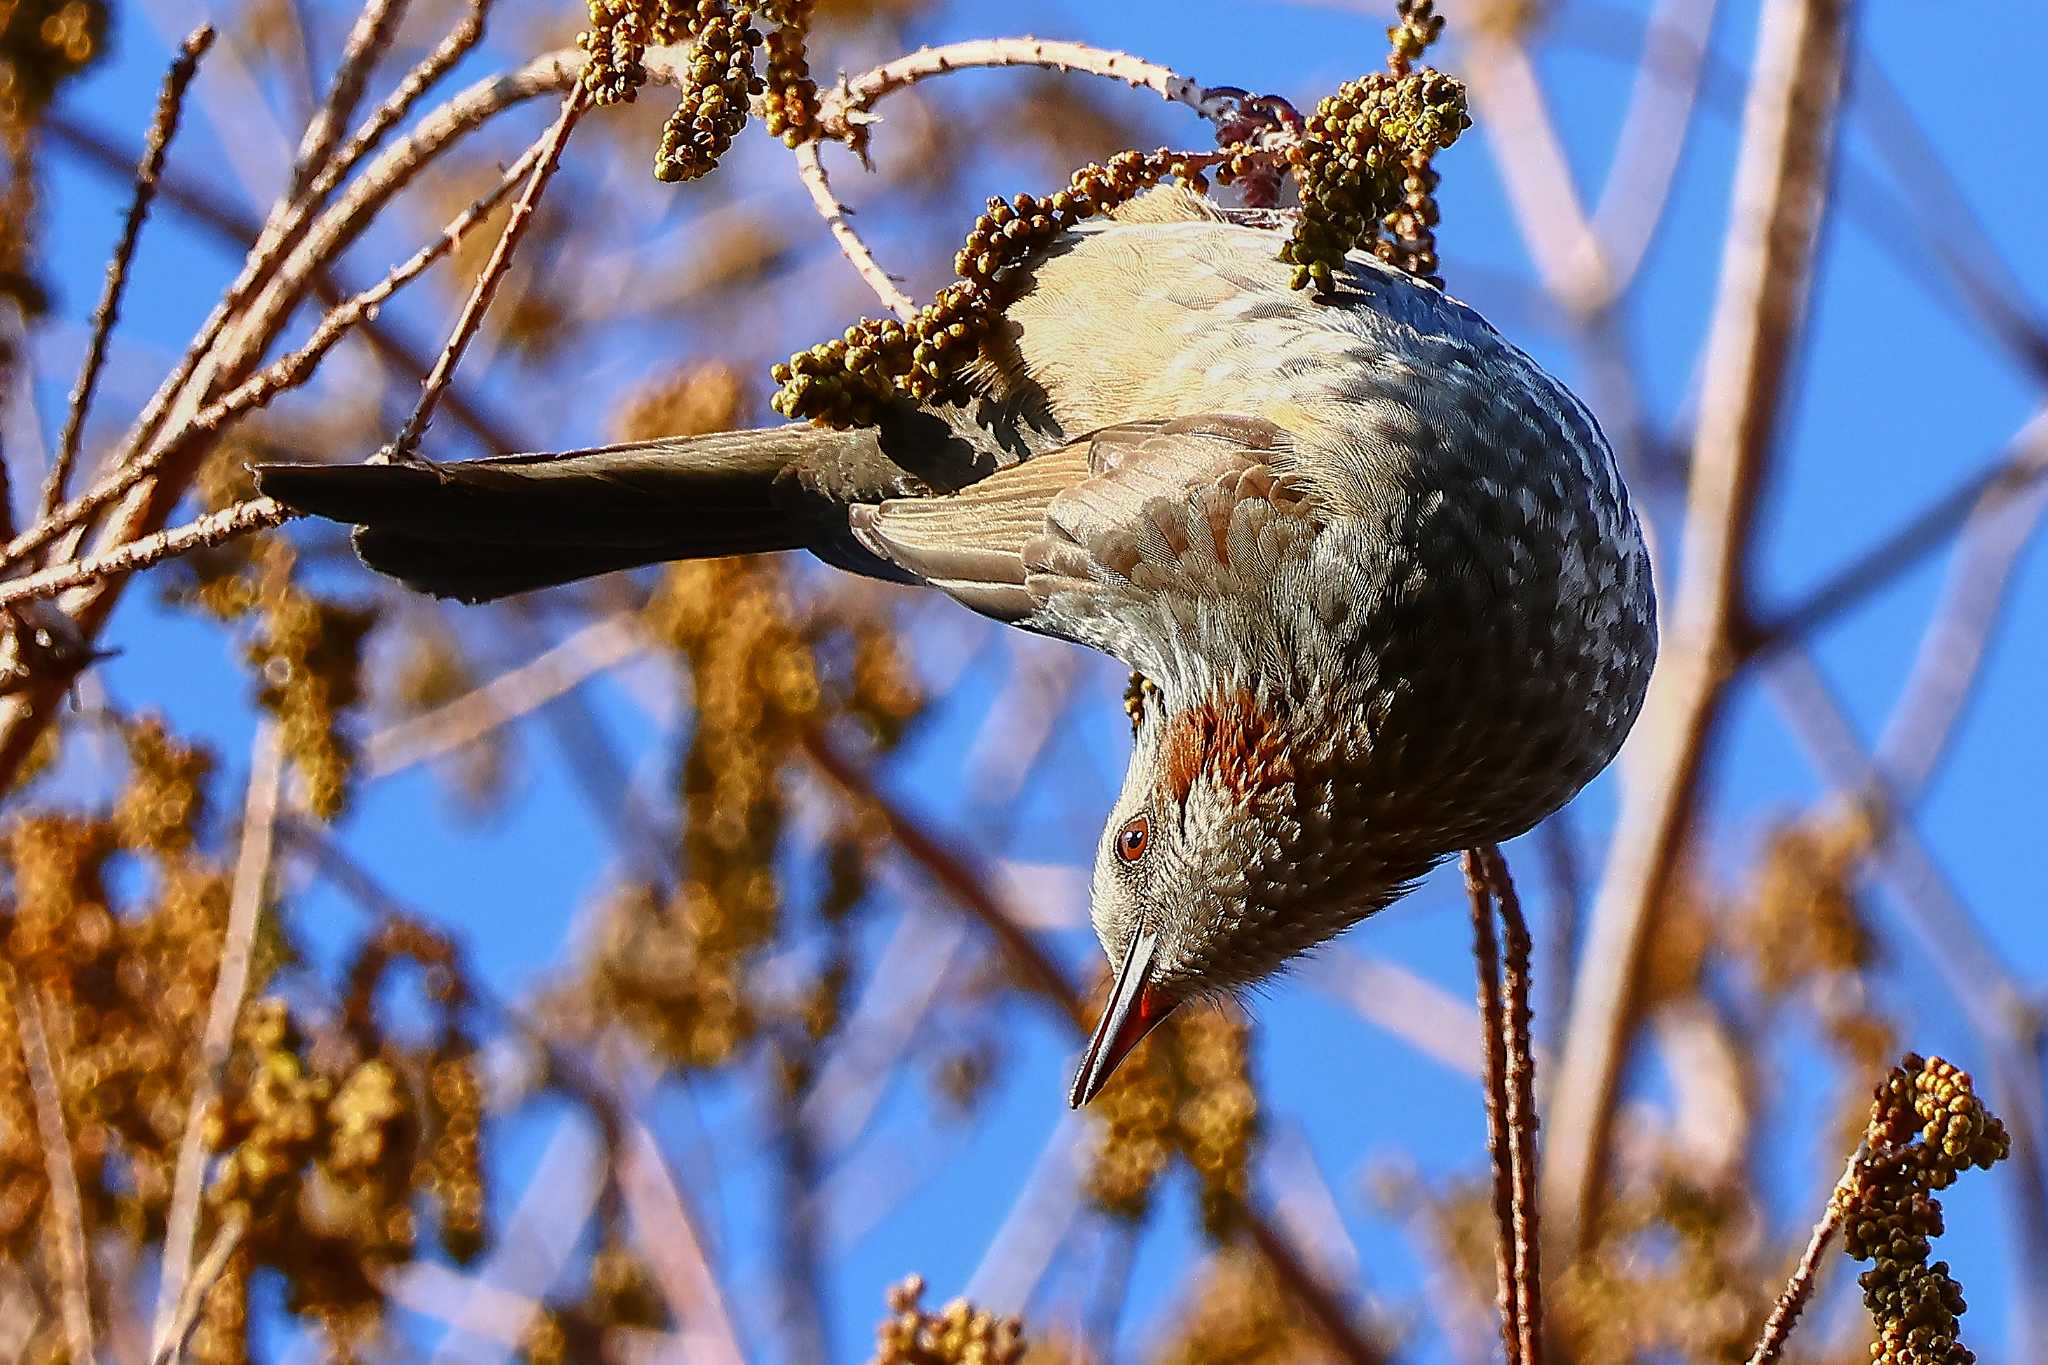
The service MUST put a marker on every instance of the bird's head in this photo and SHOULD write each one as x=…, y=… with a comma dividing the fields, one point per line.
x=1214, y=868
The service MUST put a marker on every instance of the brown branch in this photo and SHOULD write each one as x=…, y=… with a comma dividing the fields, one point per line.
x=245, y=905
x=367, y=40
x=840, y=107
x=399, y=103
x=1766, y=274
x=402, y=446
x=66, y=1210
x=1770, y=1347
x=162, y=127
x=1522, y=1118
x=1494, y=1037
x=201, y=533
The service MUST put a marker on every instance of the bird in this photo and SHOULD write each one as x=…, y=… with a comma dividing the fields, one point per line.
x=1378, y=569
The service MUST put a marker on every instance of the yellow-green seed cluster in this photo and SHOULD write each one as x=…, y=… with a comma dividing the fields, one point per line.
x=846, y=382
x=720, y=82
x=790, y=105
x=1891, y=1215
x=958, y=1334
x=1363, y=147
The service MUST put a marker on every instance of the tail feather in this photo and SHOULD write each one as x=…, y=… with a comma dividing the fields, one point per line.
x=483, y=529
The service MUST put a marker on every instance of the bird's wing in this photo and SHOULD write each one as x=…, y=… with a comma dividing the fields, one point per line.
x=1081, y=541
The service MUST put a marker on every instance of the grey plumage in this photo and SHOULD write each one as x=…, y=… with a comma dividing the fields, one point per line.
x=1379, y=565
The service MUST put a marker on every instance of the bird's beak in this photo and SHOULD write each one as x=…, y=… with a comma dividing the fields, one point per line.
x=1134, y=1010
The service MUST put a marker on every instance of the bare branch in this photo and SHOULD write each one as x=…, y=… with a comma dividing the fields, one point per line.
x=597, y=647
x=841, y=107
x=66, y=1210
x=245, y=905
x=1766, y=273
x=1494, y=1038
x=1799, y=1289
x=403, y=445
x=810, y=168
x=215, y=528
x=163, y=126
x=286, y=372
x=205, y=1275
x=367, y=41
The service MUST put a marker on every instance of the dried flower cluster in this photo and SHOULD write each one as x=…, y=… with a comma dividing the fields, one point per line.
x=1186, y=1090
x=43, y=43
x=1890, y=1213
x=958, y=1334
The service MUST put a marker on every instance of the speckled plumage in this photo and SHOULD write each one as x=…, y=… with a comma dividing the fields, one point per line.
x=1380, y=567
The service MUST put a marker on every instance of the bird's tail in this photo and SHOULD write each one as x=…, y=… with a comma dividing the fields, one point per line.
x=484, y=529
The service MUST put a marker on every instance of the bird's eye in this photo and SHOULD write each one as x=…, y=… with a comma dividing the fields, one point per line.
x=1134, y=838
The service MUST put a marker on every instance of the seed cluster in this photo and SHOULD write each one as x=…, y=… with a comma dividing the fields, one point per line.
x=958, y=1334
x=1187, y=1089
x=790, y=105
x=1891, y=1215
x=848, y=381
x=44, y=43
x=307, y=652
x=716, y=91
x=690, y=401
x=1365, y=161
x=672, y=966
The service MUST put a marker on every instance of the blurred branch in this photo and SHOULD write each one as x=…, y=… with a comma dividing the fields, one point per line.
x=1767, y=270
x=1035, y=970
x=403, y=445
x=215, y=528
x=593, y=649
x=163, y=126
x=65, y=1211
x=245, y=905
x=2020, y=472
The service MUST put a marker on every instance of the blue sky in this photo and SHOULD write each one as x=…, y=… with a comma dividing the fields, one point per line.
x=1899, y=396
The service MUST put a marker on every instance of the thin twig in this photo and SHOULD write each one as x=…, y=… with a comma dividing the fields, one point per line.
x=810, y=168
x=399, y=103
x=841, y=107
x=286, y=372
x=245, y=904
x=66, y=1210
x=367, y=41
x=1493, y=1032
x=202, y=533
x=162, y=127
x=1799, y=1289
x=1767, y=271
x=402, y=445
x=1522, y=1119
x=226, y=1238
x=595, y=648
